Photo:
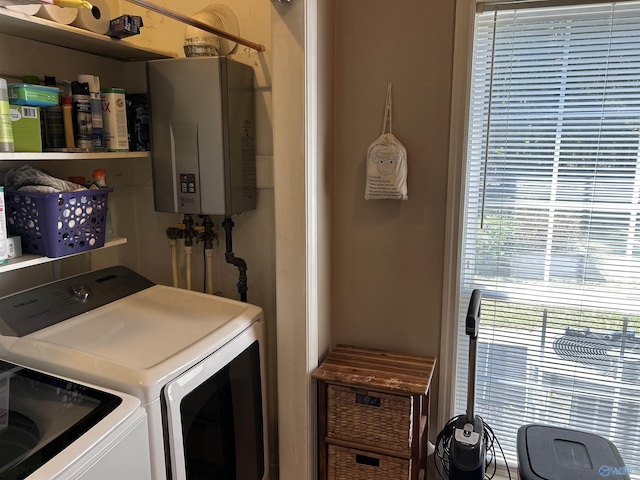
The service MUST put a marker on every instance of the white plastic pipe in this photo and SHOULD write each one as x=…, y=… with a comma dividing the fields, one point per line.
x=208, y=253
x=174, y=262
x=188, y=250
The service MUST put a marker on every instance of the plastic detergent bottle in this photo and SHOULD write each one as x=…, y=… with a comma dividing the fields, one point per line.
x=99, y=177
x=6, y=133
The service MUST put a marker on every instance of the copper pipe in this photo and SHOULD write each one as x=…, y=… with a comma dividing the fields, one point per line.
x=196, y=23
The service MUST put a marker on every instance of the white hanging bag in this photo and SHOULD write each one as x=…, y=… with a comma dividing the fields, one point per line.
x=386, y=163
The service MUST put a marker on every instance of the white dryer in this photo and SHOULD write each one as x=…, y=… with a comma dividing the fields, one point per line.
x=195, y=361
x=52, y=428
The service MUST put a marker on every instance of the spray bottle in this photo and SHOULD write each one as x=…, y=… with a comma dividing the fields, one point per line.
x=83, y=127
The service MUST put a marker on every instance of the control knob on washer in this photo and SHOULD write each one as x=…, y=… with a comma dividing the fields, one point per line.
x=80, y=291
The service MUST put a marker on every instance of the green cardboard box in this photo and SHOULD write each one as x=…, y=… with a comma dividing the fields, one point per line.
x=25, y=123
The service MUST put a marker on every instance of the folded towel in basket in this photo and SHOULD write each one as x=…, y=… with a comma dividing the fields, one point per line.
x=28, y=179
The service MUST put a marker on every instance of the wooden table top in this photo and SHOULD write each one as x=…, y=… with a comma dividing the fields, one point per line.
x=377, y=369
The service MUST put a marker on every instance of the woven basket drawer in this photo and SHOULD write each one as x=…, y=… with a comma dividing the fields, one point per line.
x=351, y=464
x=370, y=418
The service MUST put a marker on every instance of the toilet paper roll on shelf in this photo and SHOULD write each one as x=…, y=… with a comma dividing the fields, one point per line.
x=96, y=19
x=30, y=10
x=62, y=15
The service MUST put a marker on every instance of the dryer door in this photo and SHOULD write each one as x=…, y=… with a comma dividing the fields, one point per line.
x=215, y=414
x=41, y=415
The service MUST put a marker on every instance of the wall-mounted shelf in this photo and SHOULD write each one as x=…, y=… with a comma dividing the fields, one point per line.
x=28, y=260
x=43, y=30
x=36, y=156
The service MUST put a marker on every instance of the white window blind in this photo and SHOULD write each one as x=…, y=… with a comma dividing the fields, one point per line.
x=551, y=231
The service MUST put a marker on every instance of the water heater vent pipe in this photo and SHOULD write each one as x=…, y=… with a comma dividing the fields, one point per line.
x=227, y=223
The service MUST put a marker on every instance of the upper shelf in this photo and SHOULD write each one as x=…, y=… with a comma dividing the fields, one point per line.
x=43, y=30
x=33, y=156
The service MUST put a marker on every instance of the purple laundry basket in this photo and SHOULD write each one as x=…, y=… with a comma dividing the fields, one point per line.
x=58, y=224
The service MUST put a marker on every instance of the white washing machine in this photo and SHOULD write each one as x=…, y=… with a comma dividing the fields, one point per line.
x=54, y=428
x=195, y=361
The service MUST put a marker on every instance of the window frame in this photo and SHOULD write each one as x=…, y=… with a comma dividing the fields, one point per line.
x=460, y=102
x=459, y=126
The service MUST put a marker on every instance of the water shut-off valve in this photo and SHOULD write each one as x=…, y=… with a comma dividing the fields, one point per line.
x=191, y=232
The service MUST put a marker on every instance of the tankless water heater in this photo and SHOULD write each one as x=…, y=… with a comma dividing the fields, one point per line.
x=202, y=135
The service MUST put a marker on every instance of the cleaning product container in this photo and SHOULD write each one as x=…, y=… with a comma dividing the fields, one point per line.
x=33, y=95
x=58, y=224
x=553, y=453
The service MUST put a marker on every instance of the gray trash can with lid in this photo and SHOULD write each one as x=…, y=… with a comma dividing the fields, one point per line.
x=553, y=453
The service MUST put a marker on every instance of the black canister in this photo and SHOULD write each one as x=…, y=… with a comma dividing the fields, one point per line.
x=52, y=124
x=82, y=123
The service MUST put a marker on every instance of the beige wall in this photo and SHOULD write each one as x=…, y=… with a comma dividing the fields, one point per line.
x=387, y=263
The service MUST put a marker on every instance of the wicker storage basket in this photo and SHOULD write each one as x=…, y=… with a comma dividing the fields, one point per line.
x=351, y=464
x=370, y=418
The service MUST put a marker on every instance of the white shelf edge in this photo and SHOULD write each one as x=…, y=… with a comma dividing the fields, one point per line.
x=28, y=260
x=34, y=156
x=18, y=24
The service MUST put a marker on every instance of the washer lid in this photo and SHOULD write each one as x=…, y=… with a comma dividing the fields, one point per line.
x=149, y=327
x=42, y=415
x=114, y=328
x=136, y=344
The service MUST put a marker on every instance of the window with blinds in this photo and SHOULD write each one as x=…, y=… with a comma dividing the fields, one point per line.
x=551, y=227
